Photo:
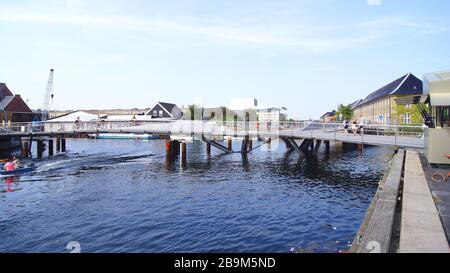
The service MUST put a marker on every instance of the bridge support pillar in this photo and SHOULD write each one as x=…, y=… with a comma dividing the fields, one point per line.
x=208, y=148
x=63, y=145
x=317, y=147
x=359, y=146
x=50, y=147
x=244, y=148
x=327, y=146
x=183, y=153
x=25, y=148
x=311, y=145
x=58, y=144
x=40, y=148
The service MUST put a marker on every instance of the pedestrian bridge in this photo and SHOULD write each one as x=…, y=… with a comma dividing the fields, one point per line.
x=382, y=135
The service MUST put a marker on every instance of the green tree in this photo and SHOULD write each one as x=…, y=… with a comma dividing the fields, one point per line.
x=345, y=110
x=414, y=113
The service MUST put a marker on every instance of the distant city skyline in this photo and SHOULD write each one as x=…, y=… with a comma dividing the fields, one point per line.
x=308, y=56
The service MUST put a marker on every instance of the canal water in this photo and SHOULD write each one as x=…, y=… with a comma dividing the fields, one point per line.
x=121, y=196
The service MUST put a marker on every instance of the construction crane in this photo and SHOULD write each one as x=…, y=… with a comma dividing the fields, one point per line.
x=48, y=98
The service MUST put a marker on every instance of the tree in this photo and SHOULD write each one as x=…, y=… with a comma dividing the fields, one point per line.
x=345, y=111
x=412, y=110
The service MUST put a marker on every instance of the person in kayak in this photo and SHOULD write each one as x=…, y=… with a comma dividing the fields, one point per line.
x=16, y=162
x=9, y=166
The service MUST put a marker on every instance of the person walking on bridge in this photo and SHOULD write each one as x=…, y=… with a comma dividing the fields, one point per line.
x=345, y=123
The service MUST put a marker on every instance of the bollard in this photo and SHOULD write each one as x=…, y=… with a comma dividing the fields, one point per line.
x=230, y=144
x=50, y=147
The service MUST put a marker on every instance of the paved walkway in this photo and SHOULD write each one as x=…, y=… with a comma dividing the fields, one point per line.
x=421, y=227
x=440, y=192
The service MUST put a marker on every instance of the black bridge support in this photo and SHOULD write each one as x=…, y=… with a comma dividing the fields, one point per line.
x=306, y=147
x=217, y=145
x=244, y=147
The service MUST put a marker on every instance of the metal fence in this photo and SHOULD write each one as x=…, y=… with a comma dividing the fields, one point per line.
x=377, y=134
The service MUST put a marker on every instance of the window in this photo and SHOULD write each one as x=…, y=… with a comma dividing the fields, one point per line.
x=406, y=118
x=408, y=106
x=160, y=113
x=155, y=113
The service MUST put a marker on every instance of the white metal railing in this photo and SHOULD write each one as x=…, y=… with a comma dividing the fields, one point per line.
x=382, y=134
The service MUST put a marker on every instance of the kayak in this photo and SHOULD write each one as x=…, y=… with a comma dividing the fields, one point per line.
x=17, y=171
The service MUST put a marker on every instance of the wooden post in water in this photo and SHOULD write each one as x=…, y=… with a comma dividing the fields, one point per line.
x=63, y=145
x=50, y=147
x=230, y=144
x=39, y=147
x=58, y=144
x=183, y=153
x=359, y=146
x=327, y=146
x=25, y=145
x=168, y=154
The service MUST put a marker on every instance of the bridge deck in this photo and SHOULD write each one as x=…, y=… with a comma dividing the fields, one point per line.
x=380, y=135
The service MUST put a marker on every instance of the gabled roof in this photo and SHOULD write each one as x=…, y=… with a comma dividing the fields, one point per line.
x=356, y=103
x=14, y=104
x=5, y=102
x=329, y=114
x=4, y=91
x=405, y=85
x=168, y=107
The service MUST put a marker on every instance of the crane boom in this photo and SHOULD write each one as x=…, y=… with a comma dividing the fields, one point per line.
x=48, y=96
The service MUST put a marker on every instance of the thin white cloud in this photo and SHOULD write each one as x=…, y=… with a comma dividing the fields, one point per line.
x=392, y=22
x=314, y=39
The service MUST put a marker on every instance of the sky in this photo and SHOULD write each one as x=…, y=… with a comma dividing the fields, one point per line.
x=306, y=55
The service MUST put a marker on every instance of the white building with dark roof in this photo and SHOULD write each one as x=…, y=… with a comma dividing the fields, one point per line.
x=379, y=107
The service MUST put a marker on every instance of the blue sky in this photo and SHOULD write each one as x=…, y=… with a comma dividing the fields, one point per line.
x=305, y=55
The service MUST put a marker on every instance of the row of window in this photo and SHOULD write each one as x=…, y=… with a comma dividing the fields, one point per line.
x=155, y=113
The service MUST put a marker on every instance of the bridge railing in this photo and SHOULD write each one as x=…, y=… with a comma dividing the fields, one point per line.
x=303, y=129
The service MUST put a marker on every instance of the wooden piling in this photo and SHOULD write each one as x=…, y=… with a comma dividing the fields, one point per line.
x=40, y=148
x=58, y=144
x=25, y=146
x=63, y=145
x=50, y=147
x=230, y=144
x=183, y=153
x=327, y=146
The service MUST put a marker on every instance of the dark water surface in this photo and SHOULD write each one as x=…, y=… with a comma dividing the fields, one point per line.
x=118, y=196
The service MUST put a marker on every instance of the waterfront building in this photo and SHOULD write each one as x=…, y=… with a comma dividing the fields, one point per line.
x=380, y=107
x=328, y=116
x=437, y=140
x=12, y=107
x=165, y=110
x=270, y=114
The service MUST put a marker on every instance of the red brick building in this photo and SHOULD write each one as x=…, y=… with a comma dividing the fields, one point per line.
x=12, y=107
